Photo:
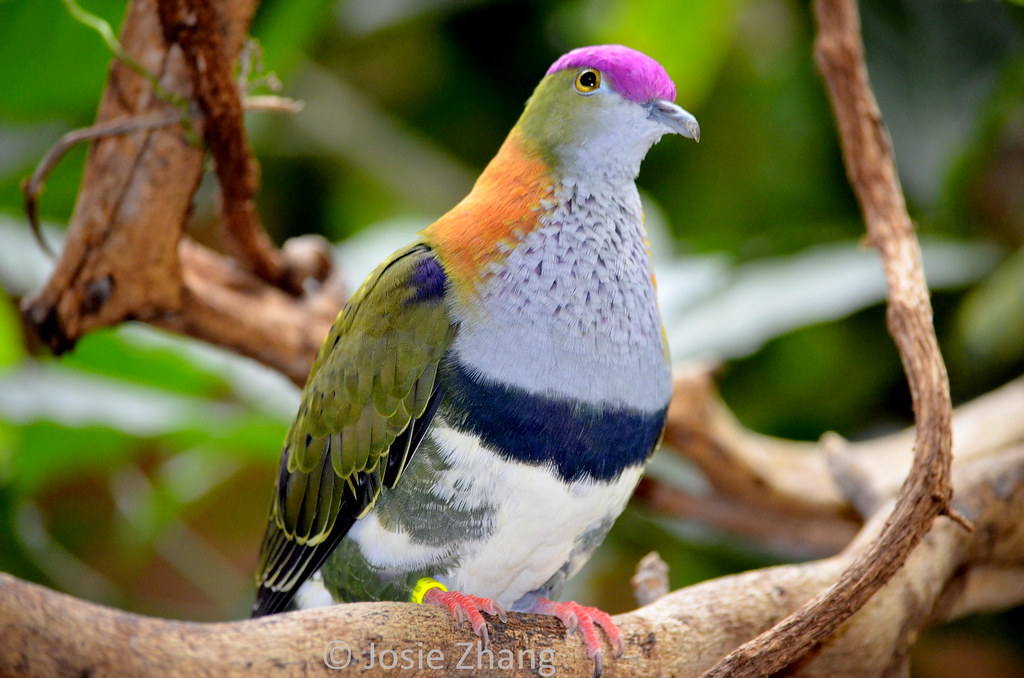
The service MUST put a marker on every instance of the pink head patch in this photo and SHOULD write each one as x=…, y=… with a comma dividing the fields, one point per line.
x=632, y=74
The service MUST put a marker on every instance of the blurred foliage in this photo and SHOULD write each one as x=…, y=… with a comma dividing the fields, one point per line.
x=136, y=470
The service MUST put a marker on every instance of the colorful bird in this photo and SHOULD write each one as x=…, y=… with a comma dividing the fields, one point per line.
x=486, y=402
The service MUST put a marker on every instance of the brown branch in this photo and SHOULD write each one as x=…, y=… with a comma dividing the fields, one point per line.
x=926, y=493
x=789, y=531
x=740, y=463
x=871, y=471
x=122, y=258
x=683, y=633
x=230, y=307
x=193, y=24
x=755, y=485
x=34, y=186
x=779, y=492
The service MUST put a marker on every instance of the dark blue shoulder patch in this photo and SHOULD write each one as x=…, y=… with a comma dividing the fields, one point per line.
x=580, y=441
x=429, y=280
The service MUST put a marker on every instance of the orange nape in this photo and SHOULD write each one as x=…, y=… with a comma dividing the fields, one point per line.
x=505, y=204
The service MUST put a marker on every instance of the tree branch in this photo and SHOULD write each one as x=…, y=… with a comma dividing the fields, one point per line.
x=122, y=259
x=776, y=491
x=683, y=633
x=927, y=490
x=230, y=307
x=193, y=25
x=755, y=480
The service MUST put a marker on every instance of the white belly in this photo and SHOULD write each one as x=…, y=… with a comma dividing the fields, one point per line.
x=535, y=523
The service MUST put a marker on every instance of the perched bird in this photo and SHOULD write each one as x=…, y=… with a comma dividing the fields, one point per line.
x=485, y=403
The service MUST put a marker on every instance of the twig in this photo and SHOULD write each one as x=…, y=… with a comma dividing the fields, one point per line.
x=650, y=581
x=272, y=103
x=106, y=33
x=34, y=186
x=927, y=491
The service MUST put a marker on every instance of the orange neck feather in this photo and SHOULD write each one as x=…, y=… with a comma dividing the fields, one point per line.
x=506, y=203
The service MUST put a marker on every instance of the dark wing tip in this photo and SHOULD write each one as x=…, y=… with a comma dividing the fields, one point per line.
x=297, y=562
x=269, y=601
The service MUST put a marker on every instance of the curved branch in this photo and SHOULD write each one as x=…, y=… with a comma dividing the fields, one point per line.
x=927, y=490
x=193, y=25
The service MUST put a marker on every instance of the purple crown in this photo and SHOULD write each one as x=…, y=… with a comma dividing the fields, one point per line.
x=632, y=74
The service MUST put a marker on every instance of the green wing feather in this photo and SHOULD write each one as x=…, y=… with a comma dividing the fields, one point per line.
x=370, y=385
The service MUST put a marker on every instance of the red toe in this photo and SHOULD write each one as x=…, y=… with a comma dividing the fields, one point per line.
x=584, y=619
x=462, y=606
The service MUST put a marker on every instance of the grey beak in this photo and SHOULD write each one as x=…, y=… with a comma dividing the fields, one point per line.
x=675, y=118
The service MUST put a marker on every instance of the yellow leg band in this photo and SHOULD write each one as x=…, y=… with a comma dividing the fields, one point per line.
x=424, y=585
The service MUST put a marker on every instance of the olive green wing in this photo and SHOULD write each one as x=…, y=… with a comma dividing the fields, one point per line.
x=365, y=407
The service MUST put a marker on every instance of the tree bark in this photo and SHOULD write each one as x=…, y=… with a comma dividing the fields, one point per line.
x=952, y=572
x=127, y=256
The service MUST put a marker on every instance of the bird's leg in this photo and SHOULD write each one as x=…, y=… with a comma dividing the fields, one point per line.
x=461, y=606
x=584, y=619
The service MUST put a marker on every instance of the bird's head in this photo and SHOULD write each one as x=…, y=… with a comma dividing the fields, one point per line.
x=600, y=109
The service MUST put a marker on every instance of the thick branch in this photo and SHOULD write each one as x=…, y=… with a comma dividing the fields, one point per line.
x=230, y=307
x=683, y=633
x=120, y=260
x=798, y=496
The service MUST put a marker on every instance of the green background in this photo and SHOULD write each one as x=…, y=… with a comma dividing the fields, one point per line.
x=135, y=471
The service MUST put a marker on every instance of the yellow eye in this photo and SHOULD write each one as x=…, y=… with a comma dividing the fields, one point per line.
x=588, y=80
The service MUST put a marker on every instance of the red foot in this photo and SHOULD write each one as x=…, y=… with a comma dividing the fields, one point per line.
x=584, y=619
x=462, y=606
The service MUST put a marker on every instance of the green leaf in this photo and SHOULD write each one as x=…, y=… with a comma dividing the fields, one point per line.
x=53, y=66
x=49, y=453
x=112, y=352
x=12, y=345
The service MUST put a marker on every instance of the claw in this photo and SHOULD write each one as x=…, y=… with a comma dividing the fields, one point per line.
x=464, y=607
x=572, y=622
x=604, y=620
x=490, y=607
x=585, y=619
